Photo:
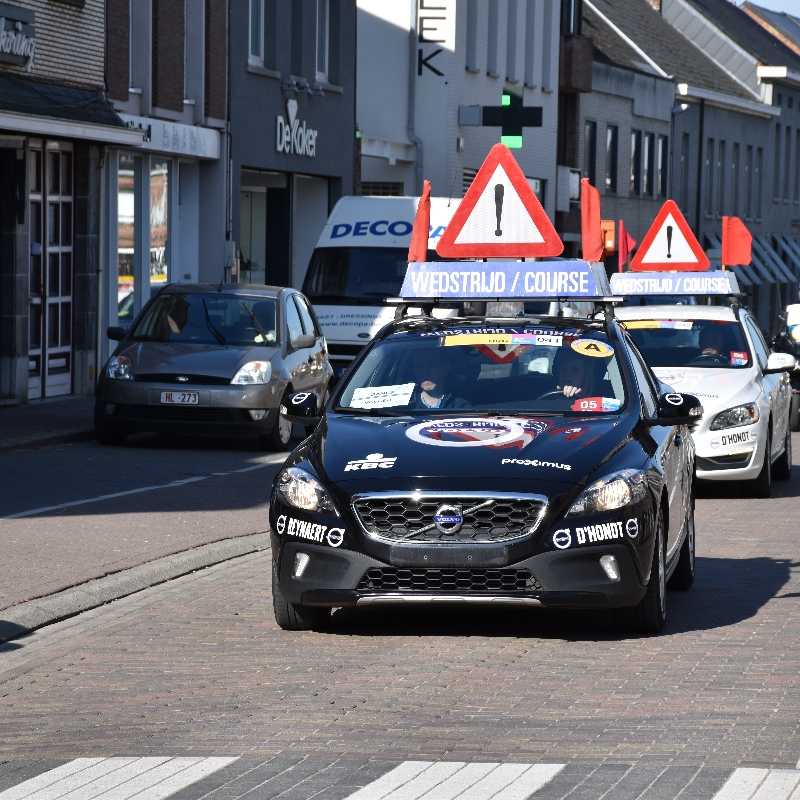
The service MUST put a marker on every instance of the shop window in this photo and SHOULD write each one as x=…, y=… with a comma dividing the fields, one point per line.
x=159, y=222
x=612, y=148
x=323, y=39
x=126, y=237
x=256, y=56
x=590, y=151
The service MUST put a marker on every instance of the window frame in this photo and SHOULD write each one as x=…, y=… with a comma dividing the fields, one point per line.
x=590, y=150
x=662, y=165
x=612, y=159
x=256, y=59
x=322, y=75
x=635, y=187
x=291, y=308
x=305, y=315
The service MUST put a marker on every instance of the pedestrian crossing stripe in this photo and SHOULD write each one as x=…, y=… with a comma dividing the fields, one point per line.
x=162, y=777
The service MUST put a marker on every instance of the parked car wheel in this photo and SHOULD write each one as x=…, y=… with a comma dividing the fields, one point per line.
x=650, y=615
x=683, y=577
x=783, y=466
x=794, y=414
x=281, y=433
x=292, y=616
x=762, y=485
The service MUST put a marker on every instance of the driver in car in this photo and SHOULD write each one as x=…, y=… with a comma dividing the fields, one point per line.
x=430, y=390
x=573, y=375
x=712, y=341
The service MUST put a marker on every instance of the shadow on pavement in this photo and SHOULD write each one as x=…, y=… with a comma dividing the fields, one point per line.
x=727, y=591
x=9, y=631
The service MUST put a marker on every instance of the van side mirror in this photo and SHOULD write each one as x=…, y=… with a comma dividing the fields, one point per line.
x=675, y=408
x=304, y=340
x=301, y=407
x=780, y=362
x=116, y=333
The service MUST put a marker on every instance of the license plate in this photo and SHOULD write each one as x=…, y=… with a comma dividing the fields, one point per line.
x=180, y=398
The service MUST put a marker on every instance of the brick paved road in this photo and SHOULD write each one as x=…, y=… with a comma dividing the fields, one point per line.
x=197, y=668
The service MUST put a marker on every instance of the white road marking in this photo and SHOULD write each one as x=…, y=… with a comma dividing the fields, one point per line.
x=457, y=780
x=116, y=778
x=760, y=784
x=32, y=512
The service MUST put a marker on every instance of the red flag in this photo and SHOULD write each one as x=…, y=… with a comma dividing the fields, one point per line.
x=418, y=248
x=626, y=244
x=737, y=243
x=591, y=233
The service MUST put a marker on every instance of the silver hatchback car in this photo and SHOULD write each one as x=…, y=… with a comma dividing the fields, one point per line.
x=213, y=360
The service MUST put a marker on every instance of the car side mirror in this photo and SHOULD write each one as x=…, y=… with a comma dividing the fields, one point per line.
x=116, y=333
x=780, y=362
x=305, y=340
x=301, y=407
x=675, y=408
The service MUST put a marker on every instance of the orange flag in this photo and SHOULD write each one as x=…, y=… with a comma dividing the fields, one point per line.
x=418, y=249
x=591, y=233
x=626, y=244
x=737, y=243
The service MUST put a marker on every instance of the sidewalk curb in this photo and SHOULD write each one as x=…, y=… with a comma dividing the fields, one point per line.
x=43, y=441
x=19, y=620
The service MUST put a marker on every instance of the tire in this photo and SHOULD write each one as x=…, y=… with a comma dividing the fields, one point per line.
x=762, y=485
x=650, y=614
x=292, y=616
x=794, y=414
x=783, y=466
x=280, y=436
x=108, y=435
x=683, y=577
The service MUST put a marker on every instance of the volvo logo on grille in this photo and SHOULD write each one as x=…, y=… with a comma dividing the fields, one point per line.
x=448, y=519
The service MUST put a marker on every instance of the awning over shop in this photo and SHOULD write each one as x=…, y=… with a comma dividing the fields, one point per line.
x=49, y=109
x=762, y=246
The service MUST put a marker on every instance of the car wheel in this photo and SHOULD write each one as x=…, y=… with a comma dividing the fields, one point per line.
x=762, y=485
x=794, y=414
x=650, y=614
x=683, y=577
x=281, y=433
x=295, y=617
x=783, y=466
x=107, y=434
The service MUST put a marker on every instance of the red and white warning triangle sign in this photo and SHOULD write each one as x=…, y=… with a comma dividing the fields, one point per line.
x=500, y=216
x=669, y=244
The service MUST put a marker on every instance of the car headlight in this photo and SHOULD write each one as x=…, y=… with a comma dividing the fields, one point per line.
x=253, y=372
x=302, y=490
x=745, y=414
x=613, y=491
x=119, y=368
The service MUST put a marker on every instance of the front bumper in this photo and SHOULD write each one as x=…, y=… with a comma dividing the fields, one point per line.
x=128, y=405
x=731, y=454
x=338, y=577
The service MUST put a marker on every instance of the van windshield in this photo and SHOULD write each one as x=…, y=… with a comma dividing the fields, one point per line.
x=356, y=275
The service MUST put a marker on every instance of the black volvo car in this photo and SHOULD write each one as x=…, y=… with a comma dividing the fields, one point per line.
x=533, y=461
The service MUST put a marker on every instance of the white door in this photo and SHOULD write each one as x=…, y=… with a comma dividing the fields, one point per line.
x=50, y=198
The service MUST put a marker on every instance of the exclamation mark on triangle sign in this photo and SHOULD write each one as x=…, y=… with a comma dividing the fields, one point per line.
x=498, y=207
x=669, y=241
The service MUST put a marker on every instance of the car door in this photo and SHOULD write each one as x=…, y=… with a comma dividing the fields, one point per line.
x=674, y=448
x=318, y=356
x=776, y=387
x=298, y=359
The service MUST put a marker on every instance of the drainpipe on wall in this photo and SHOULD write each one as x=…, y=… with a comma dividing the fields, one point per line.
x=411, y=111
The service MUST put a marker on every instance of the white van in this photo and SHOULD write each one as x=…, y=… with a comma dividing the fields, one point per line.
x=359, y=261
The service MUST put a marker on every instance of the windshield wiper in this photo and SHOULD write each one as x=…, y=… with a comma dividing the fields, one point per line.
x=258, y=326
x=217, y=335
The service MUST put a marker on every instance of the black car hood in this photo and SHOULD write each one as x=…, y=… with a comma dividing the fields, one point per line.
x=221, y=361
x=381, y=453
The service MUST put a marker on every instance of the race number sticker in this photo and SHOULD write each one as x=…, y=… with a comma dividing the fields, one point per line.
x=738, y=358
x=596, y=405
x=382, y=396
x=592, y=347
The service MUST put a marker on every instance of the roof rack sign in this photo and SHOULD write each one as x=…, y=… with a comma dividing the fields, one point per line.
x=505, y=280
x=711, y=283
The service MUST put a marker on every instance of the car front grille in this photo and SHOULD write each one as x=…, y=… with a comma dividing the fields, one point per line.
x=169, y=413
x=735, y=461
x=182, y=379
x=485, y=519
x=425, y=579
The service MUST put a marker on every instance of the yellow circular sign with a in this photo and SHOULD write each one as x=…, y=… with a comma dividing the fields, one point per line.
x=592, y=347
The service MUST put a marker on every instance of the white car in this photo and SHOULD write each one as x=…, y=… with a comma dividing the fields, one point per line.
x=718, y=354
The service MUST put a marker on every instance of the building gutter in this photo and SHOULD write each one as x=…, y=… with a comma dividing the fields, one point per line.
x=767, y=73
x=741, y=104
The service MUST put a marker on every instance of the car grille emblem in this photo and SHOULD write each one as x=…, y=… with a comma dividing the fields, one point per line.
x=183, y=379
x=448, y=519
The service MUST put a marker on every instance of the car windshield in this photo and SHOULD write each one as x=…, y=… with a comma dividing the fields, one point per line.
x=523, y=369
x=209, y=318
x=356, y=275
x=707, y=343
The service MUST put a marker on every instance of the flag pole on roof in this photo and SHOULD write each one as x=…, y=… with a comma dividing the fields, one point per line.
x=418, y=247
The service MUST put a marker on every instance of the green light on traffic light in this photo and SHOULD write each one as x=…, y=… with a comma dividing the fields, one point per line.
x=512, y=142
x=505, y=100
